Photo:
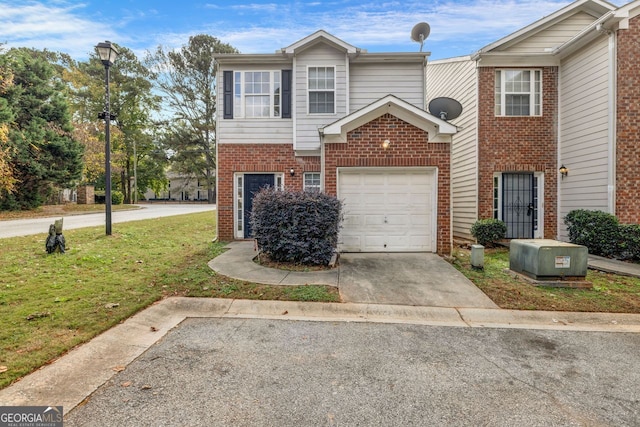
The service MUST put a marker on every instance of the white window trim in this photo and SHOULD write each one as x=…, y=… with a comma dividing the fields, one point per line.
x=304, y=181
x=238, y=199
x=532, y=93
x=240, y=113
x=334, y=90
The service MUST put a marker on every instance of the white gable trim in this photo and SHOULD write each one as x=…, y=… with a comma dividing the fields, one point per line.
x=595, y=8
x=317, y=37
x=438, y=129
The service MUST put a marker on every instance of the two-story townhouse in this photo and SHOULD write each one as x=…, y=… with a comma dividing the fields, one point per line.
x=323, y=114
x=550, y=121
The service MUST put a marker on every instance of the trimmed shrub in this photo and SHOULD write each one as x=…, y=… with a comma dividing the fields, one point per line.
x=296, y=226
x=599, y=231
x=630, y=241
x=489, y=231
x=117, y=197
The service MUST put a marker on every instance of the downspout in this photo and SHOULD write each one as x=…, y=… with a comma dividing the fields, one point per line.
x=612, y=119
x=322, y=174
x=218, y=73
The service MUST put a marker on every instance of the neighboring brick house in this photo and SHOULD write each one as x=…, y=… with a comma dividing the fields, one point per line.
x=563, y=91
x=323, y=114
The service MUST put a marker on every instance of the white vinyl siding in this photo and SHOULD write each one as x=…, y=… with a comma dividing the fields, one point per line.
x=321, y=55
x=553, y=36
x=372, y=81
x=456, y=78
x=584, y=130
x=251, y=130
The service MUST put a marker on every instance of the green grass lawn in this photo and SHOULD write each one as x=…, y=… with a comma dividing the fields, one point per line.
x=610, y=292
x=51, y=303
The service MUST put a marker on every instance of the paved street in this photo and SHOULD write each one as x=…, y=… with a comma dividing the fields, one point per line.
x=245, y=372
x=25, y=227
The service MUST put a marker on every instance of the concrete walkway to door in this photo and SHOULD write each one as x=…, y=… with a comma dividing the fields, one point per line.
x=416, y=279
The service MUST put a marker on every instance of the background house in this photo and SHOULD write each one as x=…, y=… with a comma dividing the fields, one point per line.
x=563, y=91
x=180, y=188
x=323, y=114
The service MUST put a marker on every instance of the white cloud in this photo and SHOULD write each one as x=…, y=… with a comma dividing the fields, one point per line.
x=457, y=27
x=55, y=27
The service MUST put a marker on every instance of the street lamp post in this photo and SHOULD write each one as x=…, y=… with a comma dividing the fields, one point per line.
x=108, y=54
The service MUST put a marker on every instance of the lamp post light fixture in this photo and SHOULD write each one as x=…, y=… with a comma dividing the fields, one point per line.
x=108, y=54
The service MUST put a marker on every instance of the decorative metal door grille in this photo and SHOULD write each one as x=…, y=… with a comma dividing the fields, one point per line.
x=519, y=204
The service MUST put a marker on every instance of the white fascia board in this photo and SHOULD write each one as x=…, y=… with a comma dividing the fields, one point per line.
x=392, y=57
x=524, y=60
x=588, y=34
x=438, y=129
x=258, y=58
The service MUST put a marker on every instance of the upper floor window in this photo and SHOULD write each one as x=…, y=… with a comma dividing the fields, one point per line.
x=518, y=93
x=322, y=90
x=256, y=94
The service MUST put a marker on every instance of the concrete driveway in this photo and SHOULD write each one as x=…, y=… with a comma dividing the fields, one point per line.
x=419, y=279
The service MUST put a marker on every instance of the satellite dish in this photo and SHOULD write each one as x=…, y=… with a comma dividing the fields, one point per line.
x=445, y=108
x=420, y=32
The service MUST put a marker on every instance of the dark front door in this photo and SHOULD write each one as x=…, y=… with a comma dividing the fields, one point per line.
x=519, y=204
x=252, y=184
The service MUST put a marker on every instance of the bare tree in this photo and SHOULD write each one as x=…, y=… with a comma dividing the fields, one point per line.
x=187, y=78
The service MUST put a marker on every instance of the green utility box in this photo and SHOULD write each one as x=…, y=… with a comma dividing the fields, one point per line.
x=544, y=259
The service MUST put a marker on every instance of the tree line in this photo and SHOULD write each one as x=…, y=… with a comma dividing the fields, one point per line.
x=51, y=137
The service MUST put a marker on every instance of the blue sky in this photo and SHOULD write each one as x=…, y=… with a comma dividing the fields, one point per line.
x=256, y=26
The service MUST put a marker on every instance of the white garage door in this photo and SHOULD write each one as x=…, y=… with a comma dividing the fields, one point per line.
x=388, y=210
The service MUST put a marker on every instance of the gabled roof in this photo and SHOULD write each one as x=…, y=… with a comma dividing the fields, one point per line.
x=595, y=8
x=319, y=36
x=438, y=129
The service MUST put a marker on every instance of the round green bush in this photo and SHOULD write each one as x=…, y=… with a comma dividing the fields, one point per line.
x=117, y=197
x=489, y=231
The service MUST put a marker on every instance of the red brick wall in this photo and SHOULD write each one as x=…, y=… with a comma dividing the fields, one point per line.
x=267, y=158
x=409, y=147
x=518, y=144
x=628, y=125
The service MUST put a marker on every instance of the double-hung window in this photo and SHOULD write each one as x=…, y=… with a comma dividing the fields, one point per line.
x=312, y=181
x=518, y=93
x=256, y=94
x=322, y=90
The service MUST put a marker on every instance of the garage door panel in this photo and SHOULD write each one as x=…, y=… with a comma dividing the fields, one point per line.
x=387, y=210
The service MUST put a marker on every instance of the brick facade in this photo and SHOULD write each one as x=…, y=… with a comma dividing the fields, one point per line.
x=628, y=124
x=267, y=158
x=363, y=149
x=518, y=144
x=409, y=147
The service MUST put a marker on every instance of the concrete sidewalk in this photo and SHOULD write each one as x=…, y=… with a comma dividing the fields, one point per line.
x=412, y=279
x=613, y=266
x=71, y=379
